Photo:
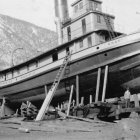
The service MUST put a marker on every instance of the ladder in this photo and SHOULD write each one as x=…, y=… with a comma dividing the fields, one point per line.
x=48, y=99
x=109, y=26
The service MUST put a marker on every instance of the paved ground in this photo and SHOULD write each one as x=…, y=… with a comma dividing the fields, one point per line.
x=128, y=129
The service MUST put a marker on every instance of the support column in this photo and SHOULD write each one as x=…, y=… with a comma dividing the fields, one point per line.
x=90, y=99
x=70, y=98
x=77, y=90
x=105, y=83
x=98, y=85
x=82, y=101
x=2, y=113
x=46, y=91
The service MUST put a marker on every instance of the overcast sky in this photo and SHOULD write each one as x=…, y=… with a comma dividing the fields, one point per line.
x=41, y=12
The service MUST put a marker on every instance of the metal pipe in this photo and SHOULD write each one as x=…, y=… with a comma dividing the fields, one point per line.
x=105, y=83
x=62, y=14
x=56, y=8
x=63, y=10
x=59, y=30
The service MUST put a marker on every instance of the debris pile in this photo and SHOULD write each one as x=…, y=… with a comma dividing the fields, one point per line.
x=28, y=110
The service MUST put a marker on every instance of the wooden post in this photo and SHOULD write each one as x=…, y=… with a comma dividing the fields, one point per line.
x=70, y=98
x=90, y=99
x=136, y=100
x=82, y=101
x=77, y=90
x=73, y=103
x=98, y=85
x=61, y=107
x=58, y=107
x=117, y=112
x=46, y=91
x=105, y=83
x=45, y=107
x=2, y=114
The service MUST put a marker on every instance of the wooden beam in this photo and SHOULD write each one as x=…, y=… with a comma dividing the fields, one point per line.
x=82, y=101
x=46, y=91
x=70, y=98
x=98, y=85
x=45, y=106
x=105, y=83
x=77, y=90
x=130, y=66
x=61, y=114
x=90, y=99
x=2, y=113
x=73, y=102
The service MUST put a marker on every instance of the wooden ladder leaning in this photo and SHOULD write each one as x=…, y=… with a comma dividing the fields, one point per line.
x=109, y=26
x=48, y=99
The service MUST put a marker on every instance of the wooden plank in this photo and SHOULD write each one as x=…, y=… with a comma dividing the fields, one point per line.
x=50, y=95
x=61, y=114
x=2, y=112
x=130, y=66
x=70, y=98
x=82, y=101
x=90, y=99
x=87, y=120
x=98, y=85
x=105, y=83
x=46, y=91
x=46, y=104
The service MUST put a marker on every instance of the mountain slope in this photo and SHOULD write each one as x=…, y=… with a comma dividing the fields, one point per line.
x=21, y=40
